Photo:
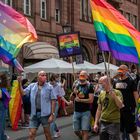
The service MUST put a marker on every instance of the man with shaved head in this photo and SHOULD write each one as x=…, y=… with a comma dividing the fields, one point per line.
x=110, y=102
x=42, y=105
x=130, y=95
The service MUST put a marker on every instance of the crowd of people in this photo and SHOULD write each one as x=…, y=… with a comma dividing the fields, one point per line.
x=103, y=99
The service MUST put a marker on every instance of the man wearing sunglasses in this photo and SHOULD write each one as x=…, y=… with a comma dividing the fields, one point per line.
x=83, y=97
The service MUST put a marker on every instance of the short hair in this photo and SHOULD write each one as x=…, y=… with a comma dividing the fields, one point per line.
x=53, y=77
x=41, y=72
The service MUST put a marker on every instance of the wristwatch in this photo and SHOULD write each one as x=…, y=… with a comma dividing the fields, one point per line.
x=53, y=114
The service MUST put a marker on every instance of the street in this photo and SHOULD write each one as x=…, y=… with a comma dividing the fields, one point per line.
x=65, y=125
x=67, y=134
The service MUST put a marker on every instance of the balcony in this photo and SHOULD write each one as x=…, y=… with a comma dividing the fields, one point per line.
x=115, y=3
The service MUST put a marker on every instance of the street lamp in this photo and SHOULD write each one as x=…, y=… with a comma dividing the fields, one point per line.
x=66, y=28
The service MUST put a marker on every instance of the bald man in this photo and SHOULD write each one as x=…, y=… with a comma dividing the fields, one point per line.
x=130, y=95
x=42, y=105
x=108, y=112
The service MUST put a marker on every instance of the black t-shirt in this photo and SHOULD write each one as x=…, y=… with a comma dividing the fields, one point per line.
x=127, y=87
x=86, y=90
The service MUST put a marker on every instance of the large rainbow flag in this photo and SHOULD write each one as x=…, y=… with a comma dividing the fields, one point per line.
x=15, y=30
x=114, y=33
x=15, y=105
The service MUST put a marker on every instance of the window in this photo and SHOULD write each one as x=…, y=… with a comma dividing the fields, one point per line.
x=134, y=21
x=27, y=7
x=128, y=16
x=43, y=11
x=8, y=2
x=85, y=11
x=57, y=11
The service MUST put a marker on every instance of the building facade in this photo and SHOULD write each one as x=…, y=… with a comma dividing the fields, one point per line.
x=49, y=16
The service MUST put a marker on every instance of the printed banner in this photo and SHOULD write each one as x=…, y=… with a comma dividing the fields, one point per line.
x=69, y=44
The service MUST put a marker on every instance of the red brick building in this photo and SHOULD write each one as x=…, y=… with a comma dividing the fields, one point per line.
x=48, y=17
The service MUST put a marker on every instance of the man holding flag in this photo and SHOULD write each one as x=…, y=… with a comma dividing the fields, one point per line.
x=119, y=37
x=42, y=98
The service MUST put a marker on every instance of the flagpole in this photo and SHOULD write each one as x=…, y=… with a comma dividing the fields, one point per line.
x=109, y=61
x=107, y=69
x=105, y=63
x=71, y=59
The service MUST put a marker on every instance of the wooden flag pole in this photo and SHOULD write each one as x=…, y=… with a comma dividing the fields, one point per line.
x=71, y=59
x=107, y=69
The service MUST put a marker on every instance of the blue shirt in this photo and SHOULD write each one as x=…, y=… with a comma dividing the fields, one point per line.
x=47, y=95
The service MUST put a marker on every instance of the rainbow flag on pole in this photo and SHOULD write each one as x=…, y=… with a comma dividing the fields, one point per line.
x=15, y=30
x=15, y=105
x=114, y=33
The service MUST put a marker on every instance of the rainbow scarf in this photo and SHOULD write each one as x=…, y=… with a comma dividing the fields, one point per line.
x=114, y=33
x=15, y=105
x=15, y=30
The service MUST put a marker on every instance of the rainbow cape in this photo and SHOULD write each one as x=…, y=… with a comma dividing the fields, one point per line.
x=15, y=30
x=114, y=33
x=15, y=105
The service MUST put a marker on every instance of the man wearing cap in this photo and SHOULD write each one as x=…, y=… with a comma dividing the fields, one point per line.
x=130, y=97
x=83, y=97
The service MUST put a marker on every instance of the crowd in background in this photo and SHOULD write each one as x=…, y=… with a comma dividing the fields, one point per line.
x=100, y=104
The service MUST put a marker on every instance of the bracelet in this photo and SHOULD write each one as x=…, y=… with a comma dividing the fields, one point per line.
x=53, y=114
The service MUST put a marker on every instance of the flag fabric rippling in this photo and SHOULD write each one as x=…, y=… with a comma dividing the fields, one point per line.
x=114, y=33
x=15, y=30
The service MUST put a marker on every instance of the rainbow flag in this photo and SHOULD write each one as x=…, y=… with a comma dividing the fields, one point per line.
x=15, y=30
x=114, y=33
x=15, y=105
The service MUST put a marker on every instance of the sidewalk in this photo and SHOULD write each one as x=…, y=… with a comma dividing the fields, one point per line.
x=22, y=134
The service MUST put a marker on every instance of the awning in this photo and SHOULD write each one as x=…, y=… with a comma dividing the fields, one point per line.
x=39, y=50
